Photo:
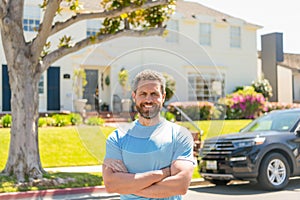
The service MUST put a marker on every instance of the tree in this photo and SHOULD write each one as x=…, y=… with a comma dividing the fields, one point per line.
x=27, y=60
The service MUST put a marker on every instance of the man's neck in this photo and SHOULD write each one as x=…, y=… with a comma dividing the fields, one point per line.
x=149, y=122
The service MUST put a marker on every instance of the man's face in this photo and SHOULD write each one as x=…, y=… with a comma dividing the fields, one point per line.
x=148, y=99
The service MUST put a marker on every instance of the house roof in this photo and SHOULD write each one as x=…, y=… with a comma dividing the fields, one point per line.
x=291, y=61
x=187, y=9
x=191, y=9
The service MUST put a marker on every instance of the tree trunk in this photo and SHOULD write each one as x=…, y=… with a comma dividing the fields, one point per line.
x=24, y=157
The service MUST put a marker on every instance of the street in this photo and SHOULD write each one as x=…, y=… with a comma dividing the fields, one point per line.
x=233, y=191
x=245, y=191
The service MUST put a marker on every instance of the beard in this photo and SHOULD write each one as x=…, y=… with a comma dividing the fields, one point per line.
x=148, y=113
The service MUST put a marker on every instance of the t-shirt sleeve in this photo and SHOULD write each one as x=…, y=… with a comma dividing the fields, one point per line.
x=113, y=150
x=184, y=145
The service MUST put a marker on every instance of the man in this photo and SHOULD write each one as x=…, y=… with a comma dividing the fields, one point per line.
x=153, y=158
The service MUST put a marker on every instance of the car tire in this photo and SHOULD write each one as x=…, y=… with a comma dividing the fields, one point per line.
x=274, y=172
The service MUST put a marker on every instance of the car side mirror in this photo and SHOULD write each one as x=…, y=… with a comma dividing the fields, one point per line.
x=297, y=132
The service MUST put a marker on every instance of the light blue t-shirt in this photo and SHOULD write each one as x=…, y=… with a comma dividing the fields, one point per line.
x=147, y=148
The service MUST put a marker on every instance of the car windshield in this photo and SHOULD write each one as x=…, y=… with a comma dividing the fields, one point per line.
x=276, y=121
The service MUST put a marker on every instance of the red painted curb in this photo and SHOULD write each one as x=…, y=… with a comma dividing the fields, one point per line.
x=53, y=192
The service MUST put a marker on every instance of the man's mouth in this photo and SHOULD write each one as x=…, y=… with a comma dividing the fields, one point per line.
x=148, y=106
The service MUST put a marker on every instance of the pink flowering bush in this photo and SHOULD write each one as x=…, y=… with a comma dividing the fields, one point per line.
x=196, y=110
x=243, y=104
x=269, y=106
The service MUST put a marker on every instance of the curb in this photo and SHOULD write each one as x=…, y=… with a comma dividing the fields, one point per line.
x=40, y=194
x=53, y=192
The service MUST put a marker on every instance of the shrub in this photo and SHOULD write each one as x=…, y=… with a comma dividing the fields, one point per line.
x=263, y=86
x=75, y=118
x=46, y=121
x=193, y=109
x=61, y=120
x=269, y=106
x=95, y=121
x=6, y=121
x=42, y=122
x=170, y=86
x=169, y=116
x=243, y=104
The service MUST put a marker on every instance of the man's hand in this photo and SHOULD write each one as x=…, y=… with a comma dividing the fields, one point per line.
x=175, y=184
x=117, y=179
x=115, y=165
x=166, y=172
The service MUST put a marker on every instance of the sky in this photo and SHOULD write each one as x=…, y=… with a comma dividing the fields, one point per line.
x=275, y=16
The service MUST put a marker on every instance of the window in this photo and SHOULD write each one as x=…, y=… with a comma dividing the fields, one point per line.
x=207, y=87
x=31, y=18
x=235, y=37
x=93, y=27
x=205, y=34
x=173, y=34
x=41, y=85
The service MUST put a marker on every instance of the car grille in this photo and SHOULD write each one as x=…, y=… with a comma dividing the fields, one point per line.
x=216, y=150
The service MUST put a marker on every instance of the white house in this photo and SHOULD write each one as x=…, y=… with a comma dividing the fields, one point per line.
x=207, y=52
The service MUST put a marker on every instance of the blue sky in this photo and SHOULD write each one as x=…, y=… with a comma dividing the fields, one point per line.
x=274, y=16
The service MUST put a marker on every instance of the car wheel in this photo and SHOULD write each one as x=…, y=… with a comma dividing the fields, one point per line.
x=274, y=172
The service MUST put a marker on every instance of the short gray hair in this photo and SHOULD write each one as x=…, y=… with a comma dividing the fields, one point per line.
x=149, y=75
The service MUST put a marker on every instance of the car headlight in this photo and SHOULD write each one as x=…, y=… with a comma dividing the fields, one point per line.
x=248, y=142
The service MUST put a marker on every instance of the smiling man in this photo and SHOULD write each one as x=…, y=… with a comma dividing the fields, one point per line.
x=152, y=158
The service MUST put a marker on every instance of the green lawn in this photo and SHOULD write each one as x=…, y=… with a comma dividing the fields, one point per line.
x=217, y=127
x=85, y=145
x=65, y=146
x=8, y=184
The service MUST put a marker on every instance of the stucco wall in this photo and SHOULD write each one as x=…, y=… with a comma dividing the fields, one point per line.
x=285, y=85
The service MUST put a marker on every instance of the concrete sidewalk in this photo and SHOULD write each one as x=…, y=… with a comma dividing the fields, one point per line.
x=79, y=169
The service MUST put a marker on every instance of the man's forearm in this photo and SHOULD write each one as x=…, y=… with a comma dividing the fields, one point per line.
x=174, y=185
x=126, y=183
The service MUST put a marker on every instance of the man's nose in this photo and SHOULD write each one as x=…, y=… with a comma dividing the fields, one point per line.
x=148, y=98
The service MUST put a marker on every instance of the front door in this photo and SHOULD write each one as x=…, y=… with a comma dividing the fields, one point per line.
x=91, y=91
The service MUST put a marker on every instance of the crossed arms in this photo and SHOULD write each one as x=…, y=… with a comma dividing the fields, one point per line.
x=170, y=181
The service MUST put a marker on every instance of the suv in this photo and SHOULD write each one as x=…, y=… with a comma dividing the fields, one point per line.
x=266, y=151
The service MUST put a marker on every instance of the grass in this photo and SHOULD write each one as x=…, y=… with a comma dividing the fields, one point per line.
x=85, y=145
x=217, y=127
x=8, y=184
x=65, y=146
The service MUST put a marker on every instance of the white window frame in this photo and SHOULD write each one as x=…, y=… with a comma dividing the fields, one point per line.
x=93, y=27
x=235, y=37
x=205, y=34
x=41, y=86
x=31, y=18
x=206, y=87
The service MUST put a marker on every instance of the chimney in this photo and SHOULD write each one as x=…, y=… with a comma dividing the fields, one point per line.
x=271, y=54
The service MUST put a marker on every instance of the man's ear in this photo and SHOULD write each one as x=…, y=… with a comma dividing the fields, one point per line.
x=133, y=96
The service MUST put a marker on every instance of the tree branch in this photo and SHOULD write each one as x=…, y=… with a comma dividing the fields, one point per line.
x=2, y=8
x=59, y=53
x=114, y=13
x=45, y=28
